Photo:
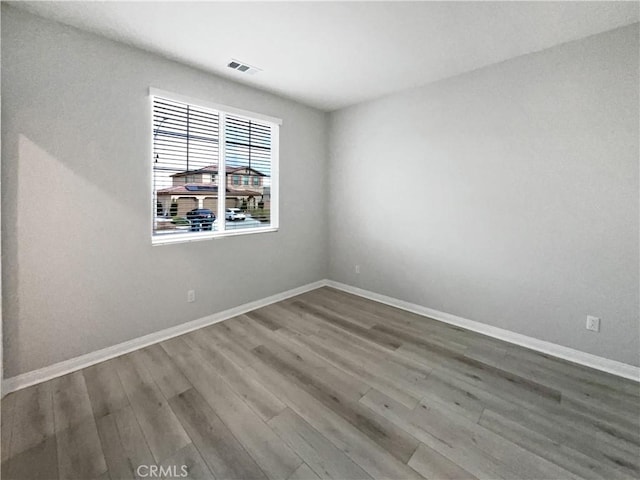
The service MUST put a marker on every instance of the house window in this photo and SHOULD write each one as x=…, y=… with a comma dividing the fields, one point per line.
x=194, y=139
x=256, y=181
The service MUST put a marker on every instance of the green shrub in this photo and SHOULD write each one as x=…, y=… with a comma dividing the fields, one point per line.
x=260, y=214
x=180, y=221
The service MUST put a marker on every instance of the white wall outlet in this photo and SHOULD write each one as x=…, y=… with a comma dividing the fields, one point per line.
x=191, y=296
x=593, y=323
x=356, y=268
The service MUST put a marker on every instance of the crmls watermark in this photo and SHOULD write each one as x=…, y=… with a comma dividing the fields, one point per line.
x=157, y=471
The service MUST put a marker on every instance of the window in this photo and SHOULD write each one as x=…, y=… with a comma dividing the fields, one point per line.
x=197, y=147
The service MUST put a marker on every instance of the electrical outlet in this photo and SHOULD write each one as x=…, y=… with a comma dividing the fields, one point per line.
x=191, y=296
x=593, y=323
x=357, y=269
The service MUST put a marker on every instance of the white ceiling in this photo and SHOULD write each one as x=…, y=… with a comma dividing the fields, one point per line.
x=333, y=54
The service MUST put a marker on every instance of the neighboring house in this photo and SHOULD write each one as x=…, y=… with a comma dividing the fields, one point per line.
x=199, y=189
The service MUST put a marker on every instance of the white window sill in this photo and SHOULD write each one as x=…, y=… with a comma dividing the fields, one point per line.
x=170, y=238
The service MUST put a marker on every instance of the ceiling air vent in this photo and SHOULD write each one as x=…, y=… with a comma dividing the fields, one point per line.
x=243, y=67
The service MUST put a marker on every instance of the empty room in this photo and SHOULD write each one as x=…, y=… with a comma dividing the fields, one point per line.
x=423, y=263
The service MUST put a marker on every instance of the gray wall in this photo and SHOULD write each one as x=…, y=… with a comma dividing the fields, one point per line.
x=79, y=271
x=508, y=195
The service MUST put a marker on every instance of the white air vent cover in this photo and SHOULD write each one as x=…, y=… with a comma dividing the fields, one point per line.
x=243, y=67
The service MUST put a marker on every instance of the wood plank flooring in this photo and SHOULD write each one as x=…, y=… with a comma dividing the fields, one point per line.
x=326, y=385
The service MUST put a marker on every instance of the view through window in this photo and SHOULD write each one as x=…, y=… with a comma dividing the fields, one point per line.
x=214, y=171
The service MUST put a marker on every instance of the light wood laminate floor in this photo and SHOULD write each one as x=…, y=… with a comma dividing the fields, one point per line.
x=326, y=385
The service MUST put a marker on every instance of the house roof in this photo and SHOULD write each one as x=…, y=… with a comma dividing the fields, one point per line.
x=214, y=169
x=207, y=189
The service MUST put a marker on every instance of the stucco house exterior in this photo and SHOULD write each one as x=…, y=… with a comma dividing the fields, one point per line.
x=199, y=189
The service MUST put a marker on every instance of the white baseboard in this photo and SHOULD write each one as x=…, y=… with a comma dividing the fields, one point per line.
x=576, y=356
x=67, y=366
x=73, y=364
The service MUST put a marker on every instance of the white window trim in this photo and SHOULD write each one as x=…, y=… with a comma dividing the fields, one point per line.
x=223, y=110
x=168, y=239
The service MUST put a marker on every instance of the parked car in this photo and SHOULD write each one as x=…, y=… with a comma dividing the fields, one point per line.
x=234, y=214
x=201, y=219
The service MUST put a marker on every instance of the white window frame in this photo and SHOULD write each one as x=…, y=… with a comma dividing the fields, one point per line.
x=222, y=110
